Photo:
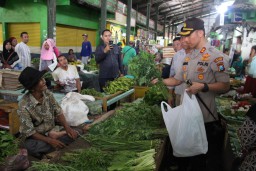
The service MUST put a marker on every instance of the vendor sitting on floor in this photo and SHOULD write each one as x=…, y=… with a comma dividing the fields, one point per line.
x=37, y=112
x=67, y=76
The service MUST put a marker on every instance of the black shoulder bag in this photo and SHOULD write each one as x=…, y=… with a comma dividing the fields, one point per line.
x=218, y=130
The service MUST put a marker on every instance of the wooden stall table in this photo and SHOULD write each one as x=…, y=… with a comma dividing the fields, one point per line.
x=111, y=99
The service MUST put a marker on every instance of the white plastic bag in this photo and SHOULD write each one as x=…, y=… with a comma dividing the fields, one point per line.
x=185, y=126
x=74, y=109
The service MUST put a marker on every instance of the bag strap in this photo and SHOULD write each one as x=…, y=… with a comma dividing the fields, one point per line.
x=127, y=50
x=201, y=100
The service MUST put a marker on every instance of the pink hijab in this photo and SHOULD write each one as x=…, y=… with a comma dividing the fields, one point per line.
x=47, y=54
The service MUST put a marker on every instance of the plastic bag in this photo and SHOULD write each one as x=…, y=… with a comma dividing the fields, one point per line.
x=74, y=109
x=185, y=126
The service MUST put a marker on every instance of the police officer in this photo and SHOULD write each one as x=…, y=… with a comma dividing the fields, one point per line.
x=206, y=67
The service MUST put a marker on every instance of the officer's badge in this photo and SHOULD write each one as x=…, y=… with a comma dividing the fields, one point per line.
x=185, y=76
x=205, y=57
x=218, y=59
x=200, y=76
x=221, y=68
x=187, y=59
x=200, y=69
x=184, y=68
x=202, y=50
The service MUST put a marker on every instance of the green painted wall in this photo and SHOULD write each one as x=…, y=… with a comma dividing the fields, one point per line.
x=20, y=11
x=74, y=15
x=16, y=11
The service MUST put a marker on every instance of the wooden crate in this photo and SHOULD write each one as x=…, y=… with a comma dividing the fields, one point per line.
x=14, y=122
x=106, y=98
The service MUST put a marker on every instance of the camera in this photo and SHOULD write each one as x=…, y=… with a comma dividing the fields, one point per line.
x=111, y=44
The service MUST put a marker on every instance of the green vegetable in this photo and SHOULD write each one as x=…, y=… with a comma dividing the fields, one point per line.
x=135, y=121
x=8, y=145
x=119, y=84
x=125, y=161
x=92, y=66
x=42, y=166
x=91, y=92
x=88, y=159
x=144, y=69
x=156, y=94
x=91, y=159
x=118, y=144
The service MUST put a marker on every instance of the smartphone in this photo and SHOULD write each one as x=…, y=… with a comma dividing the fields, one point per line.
x=111, y=44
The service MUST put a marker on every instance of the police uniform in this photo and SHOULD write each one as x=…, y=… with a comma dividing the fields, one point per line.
x=207, y=65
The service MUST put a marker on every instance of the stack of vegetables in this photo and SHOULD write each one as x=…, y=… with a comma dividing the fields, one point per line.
x=125, y=142
x=144, y=69
x=75, y=63
x=8, y=145
x=91, y=92
x=92, y=66
x=133, y=134
x=120, y=84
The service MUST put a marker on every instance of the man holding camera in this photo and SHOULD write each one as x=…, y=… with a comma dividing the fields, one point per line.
x=108, y=57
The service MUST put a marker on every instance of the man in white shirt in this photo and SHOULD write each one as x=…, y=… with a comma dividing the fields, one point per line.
x=23, y=51
x=177, y=47
x=177, y=63
x=67, y=76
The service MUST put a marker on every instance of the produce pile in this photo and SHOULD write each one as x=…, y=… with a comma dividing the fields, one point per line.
x=75, y=63
x=144, y=69
x=234, y=114
x=156, y=94
x=92, y=92
x=92, y=66
x=8, y=145
x=232, y=109
x=125, y=142
x=135, y=121
x=120, y=84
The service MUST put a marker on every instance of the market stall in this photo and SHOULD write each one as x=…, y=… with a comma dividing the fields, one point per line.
x=232, y=108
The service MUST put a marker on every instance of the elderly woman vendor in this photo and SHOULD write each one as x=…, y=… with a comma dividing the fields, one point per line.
x=37, y=112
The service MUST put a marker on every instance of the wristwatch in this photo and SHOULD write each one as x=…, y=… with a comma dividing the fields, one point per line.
x=206, y=88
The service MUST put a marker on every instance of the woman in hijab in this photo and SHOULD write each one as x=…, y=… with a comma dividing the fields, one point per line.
x=14, y=42
x=9, y=57
x=47, y=55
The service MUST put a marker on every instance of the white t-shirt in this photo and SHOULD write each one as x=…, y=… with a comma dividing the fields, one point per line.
x=23, y=52
x=67, y=77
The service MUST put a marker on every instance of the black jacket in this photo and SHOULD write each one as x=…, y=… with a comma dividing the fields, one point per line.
x=110, y=63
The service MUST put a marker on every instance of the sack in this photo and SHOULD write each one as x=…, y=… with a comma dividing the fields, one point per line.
x=74, y=109
x=185, y=126
x=17, y=162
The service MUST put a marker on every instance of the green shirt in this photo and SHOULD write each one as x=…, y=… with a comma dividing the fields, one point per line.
x=37, y=117
x=128, y=52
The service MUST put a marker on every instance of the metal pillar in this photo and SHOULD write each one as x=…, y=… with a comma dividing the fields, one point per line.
x=148, y=14
x=164, y=26
x=128, y=21
x=103, y=15
x=156, y=21
x=51, y=19
x=169, y=27
x=175, y=30
x=172, y=31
